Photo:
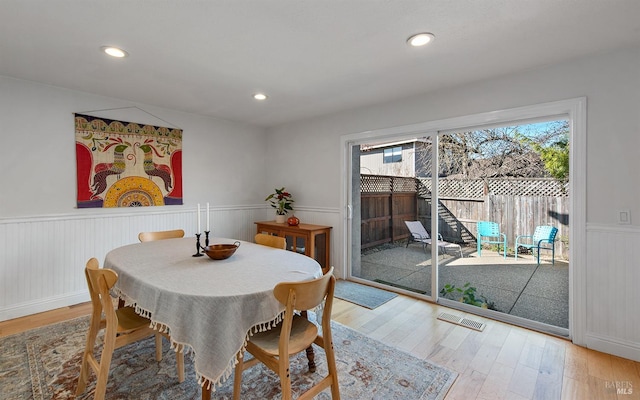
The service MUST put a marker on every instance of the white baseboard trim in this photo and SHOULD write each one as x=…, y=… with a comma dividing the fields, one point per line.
x=629, y=350
x=41, y=305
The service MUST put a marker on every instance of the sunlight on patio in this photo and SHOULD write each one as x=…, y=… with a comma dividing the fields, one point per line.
x=516, y=286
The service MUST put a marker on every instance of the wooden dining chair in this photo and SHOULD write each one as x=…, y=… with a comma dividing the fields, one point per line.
x=122, y=326
x=160, y=235
x=271, y=240
x=295, y=334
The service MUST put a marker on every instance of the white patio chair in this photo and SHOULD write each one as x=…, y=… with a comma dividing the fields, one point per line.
x=417, y=233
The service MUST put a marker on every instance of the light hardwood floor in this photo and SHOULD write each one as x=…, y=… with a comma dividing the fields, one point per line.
x=502, y=362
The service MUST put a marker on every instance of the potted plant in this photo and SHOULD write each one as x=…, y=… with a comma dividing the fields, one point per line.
x=282, y=201
x=467, y=295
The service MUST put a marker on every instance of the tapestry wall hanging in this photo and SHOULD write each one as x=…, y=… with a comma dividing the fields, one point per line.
x=125, y=164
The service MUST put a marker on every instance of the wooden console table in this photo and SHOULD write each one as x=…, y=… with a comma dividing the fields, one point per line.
x=311, y=240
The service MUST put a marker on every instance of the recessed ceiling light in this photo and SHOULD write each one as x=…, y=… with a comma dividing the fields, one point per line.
x=420, y=39
x=260, y=96
x=114, y=51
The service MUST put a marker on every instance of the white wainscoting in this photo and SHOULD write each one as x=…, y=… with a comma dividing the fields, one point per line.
x=42, y=258
x=613, y=290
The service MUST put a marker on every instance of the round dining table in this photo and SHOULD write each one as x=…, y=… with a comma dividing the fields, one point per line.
x=208, y=307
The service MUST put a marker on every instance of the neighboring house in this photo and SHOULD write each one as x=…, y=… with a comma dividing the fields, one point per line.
x=402, y=158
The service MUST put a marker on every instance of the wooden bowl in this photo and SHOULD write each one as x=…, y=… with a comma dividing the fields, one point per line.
x=221, y=251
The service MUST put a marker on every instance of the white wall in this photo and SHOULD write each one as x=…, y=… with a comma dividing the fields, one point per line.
x=222, y=163
x=611, y=83
x=45, y=241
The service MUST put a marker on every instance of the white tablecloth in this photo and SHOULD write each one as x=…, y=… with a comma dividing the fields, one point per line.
x=209, y=306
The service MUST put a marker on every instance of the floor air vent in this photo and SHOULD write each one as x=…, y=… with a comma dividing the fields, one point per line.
x=466, y=322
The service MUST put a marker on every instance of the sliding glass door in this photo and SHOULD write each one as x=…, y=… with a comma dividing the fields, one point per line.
x=416, y=201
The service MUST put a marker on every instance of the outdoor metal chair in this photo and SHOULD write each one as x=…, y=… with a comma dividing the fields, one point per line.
x=542, y=234
x=489, y=232
x=417, y=233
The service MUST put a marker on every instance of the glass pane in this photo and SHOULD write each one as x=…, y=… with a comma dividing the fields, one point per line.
x=498, y=188
x=295, y=243
x=387, y=198
x=320, y=249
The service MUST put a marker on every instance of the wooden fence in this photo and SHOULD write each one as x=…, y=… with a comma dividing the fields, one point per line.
x=516, y=215
x=386, y=202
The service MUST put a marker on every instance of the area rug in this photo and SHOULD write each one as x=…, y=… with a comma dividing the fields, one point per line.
x=400, y=286
x=362, y=295
x=44, y=363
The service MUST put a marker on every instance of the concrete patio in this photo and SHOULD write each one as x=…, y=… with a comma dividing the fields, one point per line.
x=516, y=286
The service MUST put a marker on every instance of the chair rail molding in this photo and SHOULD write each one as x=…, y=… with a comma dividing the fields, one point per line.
x=42, y=257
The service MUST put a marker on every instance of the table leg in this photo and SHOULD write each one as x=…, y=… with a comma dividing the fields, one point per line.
x=206, y=391
x=311, y=357
x=310, y=353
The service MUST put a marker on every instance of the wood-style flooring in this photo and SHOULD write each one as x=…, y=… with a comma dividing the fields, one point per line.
x=502, y=362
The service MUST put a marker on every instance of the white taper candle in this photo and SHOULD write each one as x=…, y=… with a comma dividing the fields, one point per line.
x=207, y=217
x=198, y=218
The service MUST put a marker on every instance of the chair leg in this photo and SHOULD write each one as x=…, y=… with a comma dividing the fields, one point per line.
x=311, y=357
x=237, y=379
x=84, y=374
x=105, y=364
x=504, y=248
x=180, y=365
x=285, y=379
x=94, y=327
x=158, y=347
x=333, y=370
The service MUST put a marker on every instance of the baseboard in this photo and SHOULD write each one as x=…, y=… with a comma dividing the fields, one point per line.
x=42, y=305
x=613, y=346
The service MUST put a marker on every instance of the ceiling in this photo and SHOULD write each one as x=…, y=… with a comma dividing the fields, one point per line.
x=310, y=57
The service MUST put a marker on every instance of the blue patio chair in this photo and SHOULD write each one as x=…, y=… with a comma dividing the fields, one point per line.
x=542, y=234
x=489, y=232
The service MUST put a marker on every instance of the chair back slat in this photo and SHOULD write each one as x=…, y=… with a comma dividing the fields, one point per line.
x=160, y=235
x=488, y=228
x=308, y=294
x=271, y=240
x=417, y=229
x=100, y=281
x=94, y=275
x=546, y=233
